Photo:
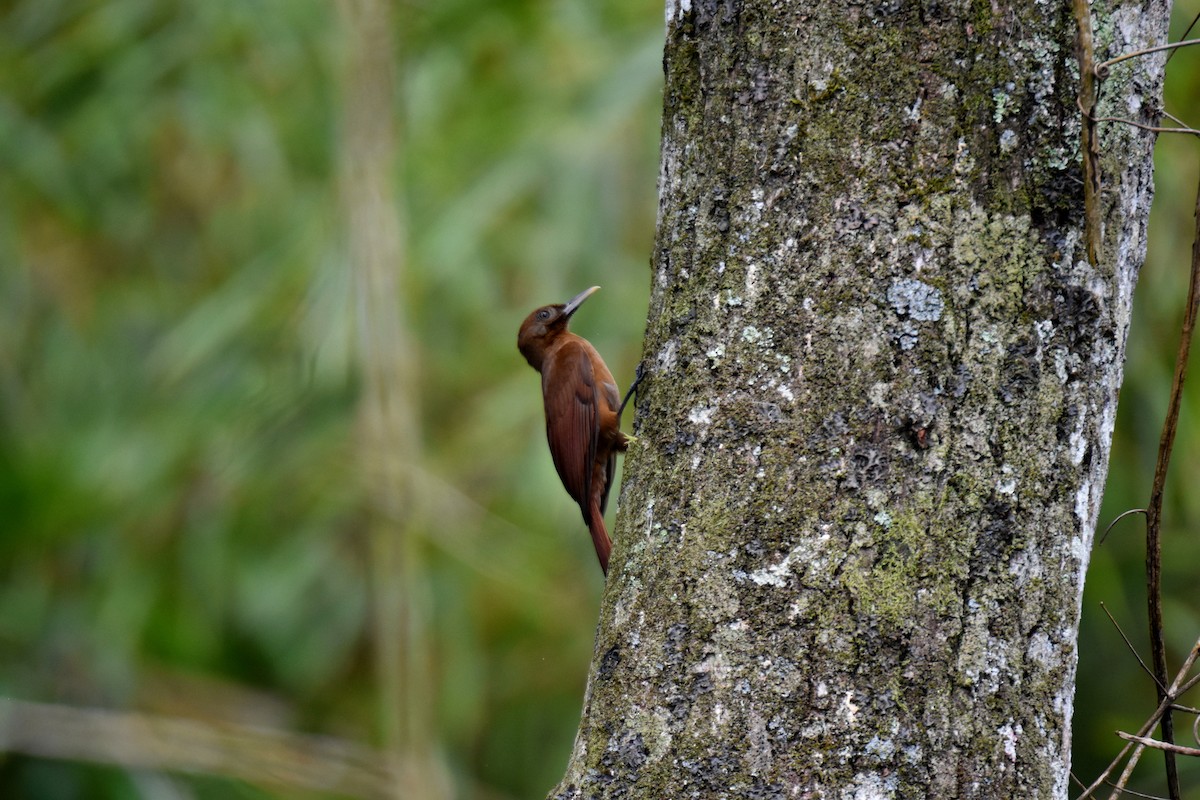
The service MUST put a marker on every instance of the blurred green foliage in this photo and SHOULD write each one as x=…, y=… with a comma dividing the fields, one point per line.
x=182, y=525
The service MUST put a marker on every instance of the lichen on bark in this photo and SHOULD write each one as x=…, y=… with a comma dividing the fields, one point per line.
x=881, y=379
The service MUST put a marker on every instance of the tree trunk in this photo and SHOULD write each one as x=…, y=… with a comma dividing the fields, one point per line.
x=881, y=382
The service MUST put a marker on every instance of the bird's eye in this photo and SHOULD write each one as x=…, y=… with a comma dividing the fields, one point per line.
x=544, y=314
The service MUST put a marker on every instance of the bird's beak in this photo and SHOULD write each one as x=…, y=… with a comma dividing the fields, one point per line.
x=575, y=302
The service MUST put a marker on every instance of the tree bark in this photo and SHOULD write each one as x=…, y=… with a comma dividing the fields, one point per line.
x=881, y=382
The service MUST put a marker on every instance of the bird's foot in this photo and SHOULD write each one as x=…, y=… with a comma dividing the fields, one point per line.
x=637, y=378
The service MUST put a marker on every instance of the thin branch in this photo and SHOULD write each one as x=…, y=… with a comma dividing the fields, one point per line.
x=1133, y=793
x=1122, y=791
x=257, y=755
x=1145, y=127
x=1149, y=726
x=1088, y=144
x=1101, y=69
x=1178, y=689
x=1174, y=119
x=1195, y=19
x=1157, y=745
x=1120, y=517
x=1158, y=645
x=1132, y=649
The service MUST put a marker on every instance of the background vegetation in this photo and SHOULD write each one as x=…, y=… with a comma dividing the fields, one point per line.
x=182, y=515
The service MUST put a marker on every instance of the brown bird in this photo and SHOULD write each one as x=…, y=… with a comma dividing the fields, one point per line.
x=583, y=411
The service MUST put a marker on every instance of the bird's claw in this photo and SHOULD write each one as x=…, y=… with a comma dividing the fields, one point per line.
x=638, y=374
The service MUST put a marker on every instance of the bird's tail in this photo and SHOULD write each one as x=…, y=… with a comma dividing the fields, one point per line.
x=600, y=538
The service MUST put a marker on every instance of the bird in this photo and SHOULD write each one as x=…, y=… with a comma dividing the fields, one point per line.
x=583, y=411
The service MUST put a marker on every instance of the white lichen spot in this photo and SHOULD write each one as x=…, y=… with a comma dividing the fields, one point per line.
x=1008, y=141
x=884, y=519
x=878, y=393
x=1076, y=446
x=751, y=334
x=913, y=113
x=871, y=786
x=1041, y=649
x=701, y=415
x=1083, y=505
x=1026, y=566
x=850, y=708
x=877, y=498
x=882, y=748
x=795, y=610
x=786, y=393
x=720, y=716
x=1060, y=365
x=673, y=11
x=665, y=359
x=717, y=351
x=1079, y=550
x=773, y=574
x=1002, y=98
x=1008, y=735
x=822, y=689
x=1007, y=484
x=752, y=280
x=915, y=299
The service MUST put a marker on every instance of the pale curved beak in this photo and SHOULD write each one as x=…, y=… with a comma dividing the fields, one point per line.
x=575, y=302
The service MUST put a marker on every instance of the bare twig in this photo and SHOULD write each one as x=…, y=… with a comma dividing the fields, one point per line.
x=1088, y=143
x=1133, y=793
x=1145, y=127
x=1174, y=119
x=1120, y=517
x=1195, y=19
x=257, y=755
x=1178, y=689
x=1132, y=649
x=1158, y=646
x=1130, y=792
x=1101, y=69
x=1157, y=745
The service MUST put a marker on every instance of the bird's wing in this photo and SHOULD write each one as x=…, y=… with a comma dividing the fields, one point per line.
x=572, y=418
x=613, y=396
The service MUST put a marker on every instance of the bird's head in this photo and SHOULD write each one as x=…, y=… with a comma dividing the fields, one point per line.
x=545, y=324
